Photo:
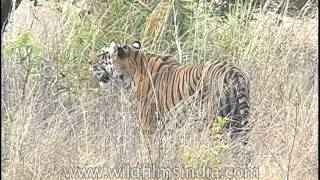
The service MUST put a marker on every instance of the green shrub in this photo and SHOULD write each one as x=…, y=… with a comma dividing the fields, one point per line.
x=25, y=51
x=206, y=154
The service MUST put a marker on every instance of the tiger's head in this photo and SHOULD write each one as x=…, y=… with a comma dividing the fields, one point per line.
x=113, y=63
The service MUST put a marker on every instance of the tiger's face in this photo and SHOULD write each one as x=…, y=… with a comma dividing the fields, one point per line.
x=113, y=63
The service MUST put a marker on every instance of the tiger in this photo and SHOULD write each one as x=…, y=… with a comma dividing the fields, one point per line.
x=160, y=83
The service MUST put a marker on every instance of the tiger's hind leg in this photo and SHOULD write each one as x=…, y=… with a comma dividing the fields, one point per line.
x=146, y=143
x=238, y=126
x=151, y=133
x=147, y=130
x=152, y=139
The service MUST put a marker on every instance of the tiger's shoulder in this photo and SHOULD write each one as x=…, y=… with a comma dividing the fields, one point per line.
x=167, y=59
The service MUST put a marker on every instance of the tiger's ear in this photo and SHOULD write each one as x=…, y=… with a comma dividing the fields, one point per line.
x=113, y=48
x=136, y=44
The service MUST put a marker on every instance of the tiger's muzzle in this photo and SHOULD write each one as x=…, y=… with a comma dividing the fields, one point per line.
x=100, y=71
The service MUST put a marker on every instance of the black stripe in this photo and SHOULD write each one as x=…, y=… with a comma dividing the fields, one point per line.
x=128, y=51
x=237, y=78
x=158, y=78
x=129, y=56
x=226, y=78
x=155, y=74
x=174, y=78
x=228, y=102
x=168, y=75
x=245, y=103
x=187, y=74
x=193, y=76
x=141, y=65
x=172, y=85
x=178, y=89
x=183, y=81
x=198, y=74
x=160, y=65
x=163, y=85
x=166, y=57
x=151, y=69
x=150, y=78
x=191, y=90
x=135, y=56
x=242, y=89
x=242, y=95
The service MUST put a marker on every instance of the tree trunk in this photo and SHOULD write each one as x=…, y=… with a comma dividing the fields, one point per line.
x=6, y=7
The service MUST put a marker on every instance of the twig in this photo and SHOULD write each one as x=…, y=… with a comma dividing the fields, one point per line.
x=294, y=138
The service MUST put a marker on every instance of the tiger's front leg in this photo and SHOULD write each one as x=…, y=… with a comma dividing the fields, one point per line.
x=147, y=121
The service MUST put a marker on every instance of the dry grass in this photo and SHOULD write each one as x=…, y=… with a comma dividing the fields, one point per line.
x=46, y=131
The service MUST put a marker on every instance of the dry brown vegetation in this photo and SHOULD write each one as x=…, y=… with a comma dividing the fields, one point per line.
x=50, y=122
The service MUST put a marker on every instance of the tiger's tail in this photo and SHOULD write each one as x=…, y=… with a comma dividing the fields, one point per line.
x=237, y=104
x=242, y=100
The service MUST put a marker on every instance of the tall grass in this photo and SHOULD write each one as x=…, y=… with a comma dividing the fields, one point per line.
x=59, y=117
